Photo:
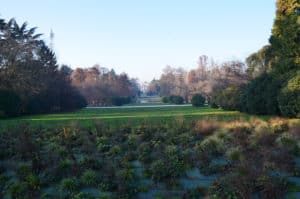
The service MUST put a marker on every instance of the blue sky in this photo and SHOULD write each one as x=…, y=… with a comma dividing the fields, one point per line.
x=141, y=37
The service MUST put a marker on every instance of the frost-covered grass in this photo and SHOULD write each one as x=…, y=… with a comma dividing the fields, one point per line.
x=180, y=158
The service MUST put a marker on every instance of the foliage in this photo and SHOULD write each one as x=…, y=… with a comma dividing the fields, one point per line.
x=69, y=185
x=103, y=87
x=207, y=78
x=260, y=95
x=173, y=99
x=88, y=178
x=198, y=100
x=228, y=99
x=119, y=101
x=10, y=103
x=153, y=89
x=281, y=60
x=170, y=167
x=28, y=68
x=260, y=62
x=289, y=97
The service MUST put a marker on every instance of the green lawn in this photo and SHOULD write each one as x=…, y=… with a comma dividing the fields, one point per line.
x=118, y=116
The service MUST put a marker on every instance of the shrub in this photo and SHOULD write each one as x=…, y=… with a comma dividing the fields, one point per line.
x=158, y=170
x=70, y=185
x=289, y=98
x=198, y=100
x=166, y=99
x=287, y=141
x=18, y=190
x=119, y=101
x=33, y=182
x=221, y=190
x=234, y=154
x=279, y=125
x=103, y=143
x=10, y=103
x=173, y=99
x=88, y=178
x=211, y=146
x=228, y=99
x=23, y=169
x=125, y=175
x=169, y=167
x=115, y=150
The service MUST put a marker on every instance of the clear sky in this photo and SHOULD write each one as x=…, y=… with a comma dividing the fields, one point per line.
x=141, y=37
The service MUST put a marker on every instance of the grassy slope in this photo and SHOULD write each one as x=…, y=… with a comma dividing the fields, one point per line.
x=117, y=116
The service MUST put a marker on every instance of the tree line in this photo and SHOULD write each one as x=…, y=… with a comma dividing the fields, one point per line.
x=208, y=79
x=103, y=87
x=31, y=81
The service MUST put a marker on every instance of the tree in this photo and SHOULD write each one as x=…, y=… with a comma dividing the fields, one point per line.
x=260, y=62
x=279, y=64
x=285, y=37
x=103, y=87
x=153, y=88
x=28, y=68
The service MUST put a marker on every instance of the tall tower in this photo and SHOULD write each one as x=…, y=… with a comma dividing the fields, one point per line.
x=51, y=39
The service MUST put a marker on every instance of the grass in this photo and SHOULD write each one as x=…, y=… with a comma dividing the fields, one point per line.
x=119, y=116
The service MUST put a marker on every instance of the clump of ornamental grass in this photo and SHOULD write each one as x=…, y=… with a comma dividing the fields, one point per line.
x=235, y=154
x=169, y=166
x=238, y=124
x=289, y=143
x=210, y=147
x=205, y=127
x=69, y=186
x=271, y=187
x=295, y=130
x=88, y=178
x=262, y=128
x=278, y=125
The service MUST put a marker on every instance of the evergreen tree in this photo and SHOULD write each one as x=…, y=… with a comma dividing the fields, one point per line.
x=271, y=92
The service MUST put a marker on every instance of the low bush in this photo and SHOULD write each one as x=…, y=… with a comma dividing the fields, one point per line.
x=260, y=95
x=228, y=99
x=166, y=99
x=173, y=99
x=198, y=100
x=119, y=101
